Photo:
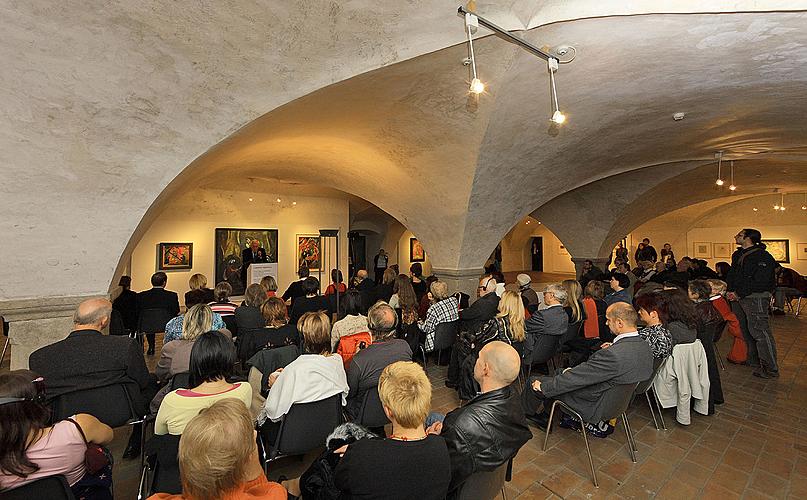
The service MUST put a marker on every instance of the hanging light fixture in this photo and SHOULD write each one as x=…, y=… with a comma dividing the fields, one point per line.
x=719, y=180
x=557, y=116
x=782, y=205
x=471, y=25
x=732, y=187
x=804, y=206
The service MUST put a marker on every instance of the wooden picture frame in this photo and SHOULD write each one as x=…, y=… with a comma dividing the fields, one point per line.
x=779, y=249
x=702, y=250
x=801, y=251
x=416, y=252
x=174, y=256
x=723, y=250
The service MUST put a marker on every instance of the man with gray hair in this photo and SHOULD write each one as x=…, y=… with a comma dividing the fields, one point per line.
x=88, y=359
x=366, y=366
x=552, y=321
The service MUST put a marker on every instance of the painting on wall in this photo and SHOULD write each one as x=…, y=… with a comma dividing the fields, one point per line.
x=416, y=252
x=723, y=250
x=174, y=256
x=309, y=251
x=779, y=249
x=702, y=250
x=230, y=243
x=801, y=251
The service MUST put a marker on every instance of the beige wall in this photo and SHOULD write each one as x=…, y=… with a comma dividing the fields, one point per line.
x=516, y=249
x=402, y=251
x=195, y=216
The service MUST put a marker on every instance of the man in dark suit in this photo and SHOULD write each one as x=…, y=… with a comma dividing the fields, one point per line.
x=88, y=359
x=628, y=360
x=157, y=298
x=295, y=290
x=367, y=290
x=550, y=321
x=255, y=254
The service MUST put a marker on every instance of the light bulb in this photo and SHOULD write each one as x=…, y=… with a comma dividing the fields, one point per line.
x=719, y=182
x=804, y=207
x=250, y=199
x=477, y=87
x=755, y=209
x=294, y=203
x=732, y=188
x=558, y=117
x=782, y=209
x=776, y=207
x=278, y=200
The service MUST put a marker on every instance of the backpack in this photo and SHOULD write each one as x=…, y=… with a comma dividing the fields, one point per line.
x=349, y=345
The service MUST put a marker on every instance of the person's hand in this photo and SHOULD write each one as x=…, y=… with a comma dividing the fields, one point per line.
x=341, y=451
x=731, y=296
x=606, y=345
x=536, y=385
x=436, y=428
x=273, y=376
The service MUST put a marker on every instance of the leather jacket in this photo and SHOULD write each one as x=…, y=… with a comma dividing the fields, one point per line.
x=485, y=433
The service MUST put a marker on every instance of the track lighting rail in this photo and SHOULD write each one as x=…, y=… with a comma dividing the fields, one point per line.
x=507, y=36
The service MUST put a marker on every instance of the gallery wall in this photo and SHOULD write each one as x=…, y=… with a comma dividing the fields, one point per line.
x=195, y=216
x=516, y=254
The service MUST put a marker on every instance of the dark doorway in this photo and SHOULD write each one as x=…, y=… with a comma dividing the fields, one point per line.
x=358, y=252
x=537, y=253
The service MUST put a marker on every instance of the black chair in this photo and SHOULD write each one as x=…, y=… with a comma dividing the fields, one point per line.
x=230, y=323
x=160, y=473
x=544, y=351
x=616, y=404
x=372, y=413
x=181, y=380
x=445, y=334
x=572, y=332
x=116, y=326
x=719, y=328
x=303, y=429
x=485, y=485
x=151, y=322
x=50, y=488
x=646, y=388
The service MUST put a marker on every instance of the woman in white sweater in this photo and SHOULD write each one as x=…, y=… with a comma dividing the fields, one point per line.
x=314, y=376
x=353, y=320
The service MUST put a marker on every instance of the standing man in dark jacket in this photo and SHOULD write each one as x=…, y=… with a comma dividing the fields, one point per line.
x=491, y=428
x=158, y=298
x=255, y=254
x=751, y=281
x=380, y=265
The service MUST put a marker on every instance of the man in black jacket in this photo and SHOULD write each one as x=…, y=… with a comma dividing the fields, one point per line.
x=751, y=281
x=295, y=290
x=491, y=428
x=255, y=254
x=158, y=298
x=87, y=359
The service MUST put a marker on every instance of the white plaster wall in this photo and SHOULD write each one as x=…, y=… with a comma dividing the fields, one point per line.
x=516, y=249
x=195, y=216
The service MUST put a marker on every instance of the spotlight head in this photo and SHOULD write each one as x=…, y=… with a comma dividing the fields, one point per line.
x=804, y=207
x=782, y=209
x=733, y=187
x=558, y=117
x=719, y=182
x=755, y=209
x=477, y=87
x=776, y=207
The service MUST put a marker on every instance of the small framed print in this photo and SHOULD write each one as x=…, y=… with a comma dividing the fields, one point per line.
x=801, y=251
x=416, y=252
x=309, y=252
x=723, y=250
x=174, y=256
x=779, y=249
x=702, y=250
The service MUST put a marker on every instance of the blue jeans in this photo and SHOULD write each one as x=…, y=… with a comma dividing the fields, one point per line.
x=755, y=307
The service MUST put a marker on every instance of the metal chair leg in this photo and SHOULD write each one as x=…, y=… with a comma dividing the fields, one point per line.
x=590, y=458
x=798, y=306
x=629, y=435
x=504, y=494
x=719, y=358
x=658, y=406
x=652, y=412
x=549, y=424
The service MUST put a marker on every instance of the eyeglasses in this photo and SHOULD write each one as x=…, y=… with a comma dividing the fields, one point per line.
x=485, y=286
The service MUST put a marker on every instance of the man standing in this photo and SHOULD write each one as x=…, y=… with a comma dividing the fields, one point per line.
x=380, y=264
x=158, y=298
x=489, y=430
x=255, y=254
x=751, y=281
x=628, y=360
x=87, y=359
x=646, y=252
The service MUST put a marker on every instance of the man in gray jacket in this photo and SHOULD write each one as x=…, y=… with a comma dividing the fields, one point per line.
x=628, y=360
x=551, y=321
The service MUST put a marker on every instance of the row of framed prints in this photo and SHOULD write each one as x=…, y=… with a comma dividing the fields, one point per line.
x=779, y=249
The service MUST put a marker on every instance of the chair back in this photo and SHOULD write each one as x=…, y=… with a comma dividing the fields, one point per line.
x=717, y=329
x=307, y=425
x=483, y=485
x=153, y=320
x=116, y=326
x=165, y=476
x=181, y=380
x=644, y=386
x=445, y=334
x=615, y=401
x=572, y=332
x=230, y=323
x=267, y=361
x=51, y=487
x=372, y=411
x=545, y=348
x=111, y=404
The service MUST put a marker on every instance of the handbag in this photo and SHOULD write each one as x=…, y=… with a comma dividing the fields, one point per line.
x=95, y=457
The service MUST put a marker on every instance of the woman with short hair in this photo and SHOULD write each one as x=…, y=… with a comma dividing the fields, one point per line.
x=199, y=293
x=337, y=283
x=653, y=311
x=352, y=321
x=269, y=285
x=444, y=309
x=175, y=356
x=212, y=360
x=311, y=302
x=248, y=314
x=277, y=332
x=221, y=303
x=30, y=449
x=739, y=349
x=408, y=463
x=708, y=321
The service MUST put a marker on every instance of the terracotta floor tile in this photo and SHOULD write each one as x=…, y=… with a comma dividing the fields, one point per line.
x=713, y=491
x=668, y=453
x=739, y=459
x=776, y=465
x=563, y=482
x=619, y=468
x=706, y=457
x=768, y=483
x=524, y=478
x=638, y=487
x=695, y=474
x=750, y=494
x=798, y=486
x=535, y=492
x=730, y=478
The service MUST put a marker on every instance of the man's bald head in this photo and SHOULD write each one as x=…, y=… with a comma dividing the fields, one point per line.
x=362, y=273
x=93, y=313
x=621, y=317
x=497, y=366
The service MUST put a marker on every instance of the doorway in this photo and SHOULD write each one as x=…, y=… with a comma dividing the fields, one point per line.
x=358, y=252
x=537, y=253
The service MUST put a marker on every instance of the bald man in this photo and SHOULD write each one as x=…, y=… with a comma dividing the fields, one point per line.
x=490, y=429
x=88, y=359
x=627, y=360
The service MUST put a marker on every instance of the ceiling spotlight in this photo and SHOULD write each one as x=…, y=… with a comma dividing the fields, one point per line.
x=732, y=187
x=294, y=203
x=776, y=207
x=471, y=25
x=557, y=117
x=755, y=209
x=782, y=209
x=782, y=204
x=528, y=222
x=678, y=116
x=804, y=207
x=477, y=87
x=278, y=200
x=250, y=199
x=719, y=180
x=539, y=222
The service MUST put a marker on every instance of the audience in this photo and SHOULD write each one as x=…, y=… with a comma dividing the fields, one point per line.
x=624, y=268
x=337, y=283
x=386, y=289
x=789, y=284
x=218, y=457
x=295, y=290
x=175, y=356
x=678, y=316
x=646, y=252
x=158, y=298
x=173, y=329
x=528, y=295
x=126, y=304
x=367, y=364
x=652, y=310
x=418, y=281
x=314, y=376
x=510, y=321
x=407, y=464
x=221, y=303
x=444, y=309
x=401, y=280
x=595, y=306
x=573, y=306
x=550, y=321
x=590, y=272
x=269, y=284
x=708, y=322
x=628, y=360
x=427, y=300
x=248, y=315
x=212, y=360
x=739, y=351
x=408, y=327
x=278, y=332
x=31, y=448
x=87, y=359
x=199, y=293
x=312, y=301
x=352, y=320
x=366, y=288
x=489, y=429
x=667, y=254
x=722, y=269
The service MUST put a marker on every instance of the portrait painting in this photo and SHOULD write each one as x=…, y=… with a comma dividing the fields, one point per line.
x=779, y=249
x=702, y=250
x=723, y=250
x=416, y=252
x=230, y=243
x=173, y=256
x=309, y=251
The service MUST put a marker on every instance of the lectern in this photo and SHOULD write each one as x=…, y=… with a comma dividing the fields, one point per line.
x=256, y=272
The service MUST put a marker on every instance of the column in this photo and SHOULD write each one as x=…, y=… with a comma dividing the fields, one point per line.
x=460, y=280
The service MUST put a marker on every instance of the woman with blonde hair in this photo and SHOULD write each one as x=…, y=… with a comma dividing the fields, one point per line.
x=199, y=293
x=573, y=305
x=510, y=320
x=175, y=356
x=269, y=285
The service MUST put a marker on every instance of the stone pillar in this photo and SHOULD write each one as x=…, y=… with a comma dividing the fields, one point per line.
x=602, y=263
x=460, y=280
x=35, y=323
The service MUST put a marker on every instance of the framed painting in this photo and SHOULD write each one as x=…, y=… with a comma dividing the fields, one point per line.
x=230, y=245
x=779, y=249
x=702, y=250
x=801, y=251
x=309, y=251
x=174, y=256
x=723, y=250
x=416, y=252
